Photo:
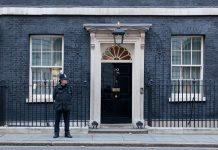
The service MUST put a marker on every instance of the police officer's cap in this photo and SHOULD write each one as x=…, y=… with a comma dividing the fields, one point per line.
x=63, y=76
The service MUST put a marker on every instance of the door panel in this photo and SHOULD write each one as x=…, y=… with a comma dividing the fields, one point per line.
x=116, y=93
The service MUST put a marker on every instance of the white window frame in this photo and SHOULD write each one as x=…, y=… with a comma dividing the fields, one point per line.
x=184, y=97
x=49, y=98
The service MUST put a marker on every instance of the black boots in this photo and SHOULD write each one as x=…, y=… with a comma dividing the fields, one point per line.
x=67, y=135
x=56, y=135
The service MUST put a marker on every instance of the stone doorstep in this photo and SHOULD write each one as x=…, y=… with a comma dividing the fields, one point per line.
x=118, y=128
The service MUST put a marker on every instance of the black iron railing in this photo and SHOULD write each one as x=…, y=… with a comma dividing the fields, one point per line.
x=32, y=104
x=179, y=103
x=182, y=103
x=3, y=95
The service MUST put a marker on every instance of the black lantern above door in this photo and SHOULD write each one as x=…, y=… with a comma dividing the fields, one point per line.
x=118, y=35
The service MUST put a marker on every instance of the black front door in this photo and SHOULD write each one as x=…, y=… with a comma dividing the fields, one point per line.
x=116, y=93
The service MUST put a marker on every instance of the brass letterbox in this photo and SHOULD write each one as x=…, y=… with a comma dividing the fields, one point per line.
x=115, y=90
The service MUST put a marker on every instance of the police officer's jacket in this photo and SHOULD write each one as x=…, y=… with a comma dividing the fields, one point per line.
x=62, y=97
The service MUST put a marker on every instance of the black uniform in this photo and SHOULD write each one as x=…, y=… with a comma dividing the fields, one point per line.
x=62, y=96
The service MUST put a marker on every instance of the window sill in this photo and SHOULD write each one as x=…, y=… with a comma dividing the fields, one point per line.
x=187, y=98
x=40, y=99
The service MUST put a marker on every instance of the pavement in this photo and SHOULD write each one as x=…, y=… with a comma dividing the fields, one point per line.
x=118, y=139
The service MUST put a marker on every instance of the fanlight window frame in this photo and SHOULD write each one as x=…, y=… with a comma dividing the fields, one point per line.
x=116, y=53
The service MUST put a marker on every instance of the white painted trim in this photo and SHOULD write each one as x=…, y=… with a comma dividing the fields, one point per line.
x=116, y=61
x=186, y=97
x=182, y=65
x=111, y=11
x=31, y=98
x=103, y=35
x=39, y=98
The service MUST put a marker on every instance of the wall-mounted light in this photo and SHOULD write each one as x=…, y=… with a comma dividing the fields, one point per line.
x=118, y=34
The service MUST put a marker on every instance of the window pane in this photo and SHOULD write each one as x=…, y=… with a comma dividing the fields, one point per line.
x=196, y=58
x=186, y=58
x=175, y=86
x=176, y=44
x=36, y=74
x=186, y=87
x=196, y=43
x=55, y=73
x=46, y=44
x=46, y=59
x=57, y=44
x=41, y=74
x=56, y=59
x=196, y=72
x=36, y=45
x=196, y=87
x=46, y=73
x=186, y=72
x=36, y=88
x=36, y=59
x=39, y=77
x=175, y=72
x=176, y=57
x=186, y=44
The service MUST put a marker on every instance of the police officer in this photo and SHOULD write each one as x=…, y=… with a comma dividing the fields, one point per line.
x=62, y=96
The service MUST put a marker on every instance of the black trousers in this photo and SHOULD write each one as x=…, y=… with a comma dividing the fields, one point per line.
x=66, y=115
